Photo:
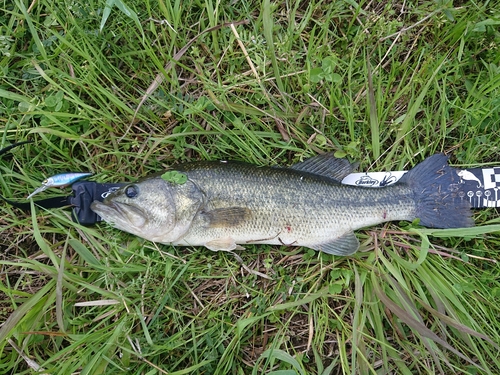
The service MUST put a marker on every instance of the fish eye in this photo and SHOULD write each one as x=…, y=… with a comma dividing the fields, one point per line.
x=131, y=191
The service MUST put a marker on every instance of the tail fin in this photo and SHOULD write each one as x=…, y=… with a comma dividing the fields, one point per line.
x=436, y=186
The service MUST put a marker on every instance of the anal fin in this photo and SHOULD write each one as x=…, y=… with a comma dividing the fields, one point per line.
x=346, y=244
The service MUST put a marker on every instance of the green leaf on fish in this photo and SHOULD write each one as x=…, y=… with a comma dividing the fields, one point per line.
x=174, y=177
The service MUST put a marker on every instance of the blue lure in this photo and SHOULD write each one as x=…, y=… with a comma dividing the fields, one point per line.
x=59, y=180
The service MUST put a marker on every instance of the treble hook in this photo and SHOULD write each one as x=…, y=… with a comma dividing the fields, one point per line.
x=59, y=180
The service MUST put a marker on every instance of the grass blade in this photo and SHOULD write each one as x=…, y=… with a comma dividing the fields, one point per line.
x=415, y=324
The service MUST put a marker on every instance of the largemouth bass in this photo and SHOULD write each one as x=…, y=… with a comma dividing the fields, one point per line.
x=222, y=205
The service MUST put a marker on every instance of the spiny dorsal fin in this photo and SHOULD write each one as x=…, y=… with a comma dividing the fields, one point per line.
x=326, y=165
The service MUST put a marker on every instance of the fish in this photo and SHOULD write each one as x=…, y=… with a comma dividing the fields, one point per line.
x=59, y=180
x=466, y=175
x=223, y=205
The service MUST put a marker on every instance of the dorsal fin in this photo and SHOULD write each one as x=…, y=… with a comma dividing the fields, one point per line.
x=326, y=165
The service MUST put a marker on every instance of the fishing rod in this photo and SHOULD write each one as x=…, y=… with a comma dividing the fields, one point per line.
x=481, y=186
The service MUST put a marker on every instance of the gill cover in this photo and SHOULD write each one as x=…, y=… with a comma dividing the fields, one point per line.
x=154, y=209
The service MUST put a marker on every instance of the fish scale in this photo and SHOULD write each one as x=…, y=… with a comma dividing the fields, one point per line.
x=223, y=205
x=288, y=206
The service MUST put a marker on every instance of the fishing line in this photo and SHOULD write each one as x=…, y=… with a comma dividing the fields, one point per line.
x=45, y=203
x=83, y=194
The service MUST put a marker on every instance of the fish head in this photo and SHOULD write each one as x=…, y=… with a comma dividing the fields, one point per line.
x=153, y=209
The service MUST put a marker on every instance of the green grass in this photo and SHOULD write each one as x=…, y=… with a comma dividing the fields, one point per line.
x=381, y=83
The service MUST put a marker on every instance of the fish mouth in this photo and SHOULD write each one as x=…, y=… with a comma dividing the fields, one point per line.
x=120, y=215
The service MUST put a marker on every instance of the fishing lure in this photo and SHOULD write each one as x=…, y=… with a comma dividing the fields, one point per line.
x=59, y=180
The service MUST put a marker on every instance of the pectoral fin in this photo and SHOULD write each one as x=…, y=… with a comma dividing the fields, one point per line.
x=347, y=244
x=223, y=244
x=226, y=217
